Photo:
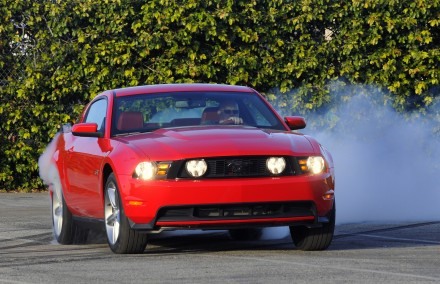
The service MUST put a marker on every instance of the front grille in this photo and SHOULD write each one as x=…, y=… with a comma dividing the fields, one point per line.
x=238, y=211
x=237, y=167
x=225, y=167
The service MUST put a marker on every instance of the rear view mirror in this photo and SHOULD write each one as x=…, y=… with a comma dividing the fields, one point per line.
x=190, y=103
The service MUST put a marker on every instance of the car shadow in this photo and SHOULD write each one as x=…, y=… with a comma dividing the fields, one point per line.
x=387, y=236
x=351, y=237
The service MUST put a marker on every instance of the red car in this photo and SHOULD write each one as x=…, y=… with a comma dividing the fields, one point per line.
x=189, y=156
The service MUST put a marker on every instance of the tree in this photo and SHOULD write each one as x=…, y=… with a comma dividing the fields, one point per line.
x=76, y=49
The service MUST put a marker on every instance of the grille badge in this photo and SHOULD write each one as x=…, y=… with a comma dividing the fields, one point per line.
x=237, y=166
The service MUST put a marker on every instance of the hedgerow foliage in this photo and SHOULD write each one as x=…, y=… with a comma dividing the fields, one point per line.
x=72, y=50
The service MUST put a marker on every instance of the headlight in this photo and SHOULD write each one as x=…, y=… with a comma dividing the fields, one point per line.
x=276, y=165
x=196, y=168
x=152, y=170
x=146, y=170
x=313, y=164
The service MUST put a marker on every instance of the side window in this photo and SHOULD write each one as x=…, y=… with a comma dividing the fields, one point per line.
x=97, y=113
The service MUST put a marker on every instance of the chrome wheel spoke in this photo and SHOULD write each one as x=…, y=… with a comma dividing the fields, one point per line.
x=112, y=213
x=113, y=218
x=57, y=212
x=111, y=191
x=115, y=231
x=58, y=217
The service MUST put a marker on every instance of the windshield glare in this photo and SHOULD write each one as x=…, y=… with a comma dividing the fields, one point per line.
x=144, y=113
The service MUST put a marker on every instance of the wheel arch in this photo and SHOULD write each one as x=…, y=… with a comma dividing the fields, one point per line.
x=106, y=171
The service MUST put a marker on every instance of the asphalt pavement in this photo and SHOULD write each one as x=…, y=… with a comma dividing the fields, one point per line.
x=360, y=253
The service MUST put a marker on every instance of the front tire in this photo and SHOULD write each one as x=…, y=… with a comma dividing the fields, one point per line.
x=120, y=237
x=311, y=239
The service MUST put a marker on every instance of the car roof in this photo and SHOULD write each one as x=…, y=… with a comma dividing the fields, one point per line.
x=164, y=88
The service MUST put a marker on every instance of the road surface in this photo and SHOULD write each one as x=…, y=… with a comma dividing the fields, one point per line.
x=360, y=253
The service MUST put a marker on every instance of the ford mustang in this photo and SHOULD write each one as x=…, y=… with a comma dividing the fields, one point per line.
x=145, y=159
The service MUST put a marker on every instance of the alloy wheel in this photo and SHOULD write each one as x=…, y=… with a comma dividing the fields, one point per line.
x=112, y=213
x=57, y=207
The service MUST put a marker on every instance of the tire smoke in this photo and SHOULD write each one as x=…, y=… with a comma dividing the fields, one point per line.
x=47, y=171
x=387, y=163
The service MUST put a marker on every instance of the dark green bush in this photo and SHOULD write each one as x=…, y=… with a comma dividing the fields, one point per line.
x=57, y=55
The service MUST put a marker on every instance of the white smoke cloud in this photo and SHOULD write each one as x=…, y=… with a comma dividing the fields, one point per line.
x=47, y=171
x=387, y=163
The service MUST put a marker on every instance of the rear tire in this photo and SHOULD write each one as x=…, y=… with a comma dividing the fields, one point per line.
x=120, y=237
x=246, y=234
x=310, y=239
x=65, y=230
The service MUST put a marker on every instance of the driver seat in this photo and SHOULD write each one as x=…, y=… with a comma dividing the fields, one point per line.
x=210, y=116
x=130, y=120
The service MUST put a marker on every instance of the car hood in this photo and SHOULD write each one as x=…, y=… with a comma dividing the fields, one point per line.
x=207, y=141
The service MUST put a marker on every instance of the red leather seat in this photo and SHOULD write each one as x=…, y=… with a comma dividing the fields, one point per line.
x=130, y=120
x=210, y=116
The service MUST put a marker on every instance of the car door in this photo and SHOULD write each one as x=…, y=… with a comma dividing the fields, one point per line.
x=83, y=162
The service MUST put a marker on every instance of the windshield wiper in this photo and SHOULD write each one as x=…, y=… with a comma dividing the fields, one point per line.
x=136, y=132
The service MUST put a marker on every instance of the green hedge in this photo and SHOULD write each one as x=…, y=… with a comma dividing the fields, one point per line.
x=57, y=55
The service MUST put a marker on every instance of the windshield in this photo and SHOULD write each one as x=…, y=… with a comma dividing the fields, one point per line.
x=144, y=113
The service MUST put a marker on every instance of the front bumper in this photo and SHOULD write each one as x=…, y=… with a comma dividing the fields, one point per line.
x=226, y=203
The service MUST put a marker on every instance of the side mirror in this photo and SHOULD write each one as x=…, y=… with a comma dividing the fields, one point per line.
x=295, y=122
x=86, y=130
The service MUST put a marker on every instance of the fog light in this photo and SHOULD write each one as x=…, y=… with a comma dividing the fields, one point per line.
x=196, y=168
x=276, y=165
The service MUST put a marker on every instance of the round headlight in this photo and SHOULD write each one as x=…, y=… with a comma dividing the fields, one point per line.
x=146, y=170
x=276, y=165
x=196, y=168
x=315, y=164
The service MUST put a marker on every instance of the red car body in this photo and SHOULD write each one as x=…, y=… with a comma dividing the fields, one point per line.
x=236, y=197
